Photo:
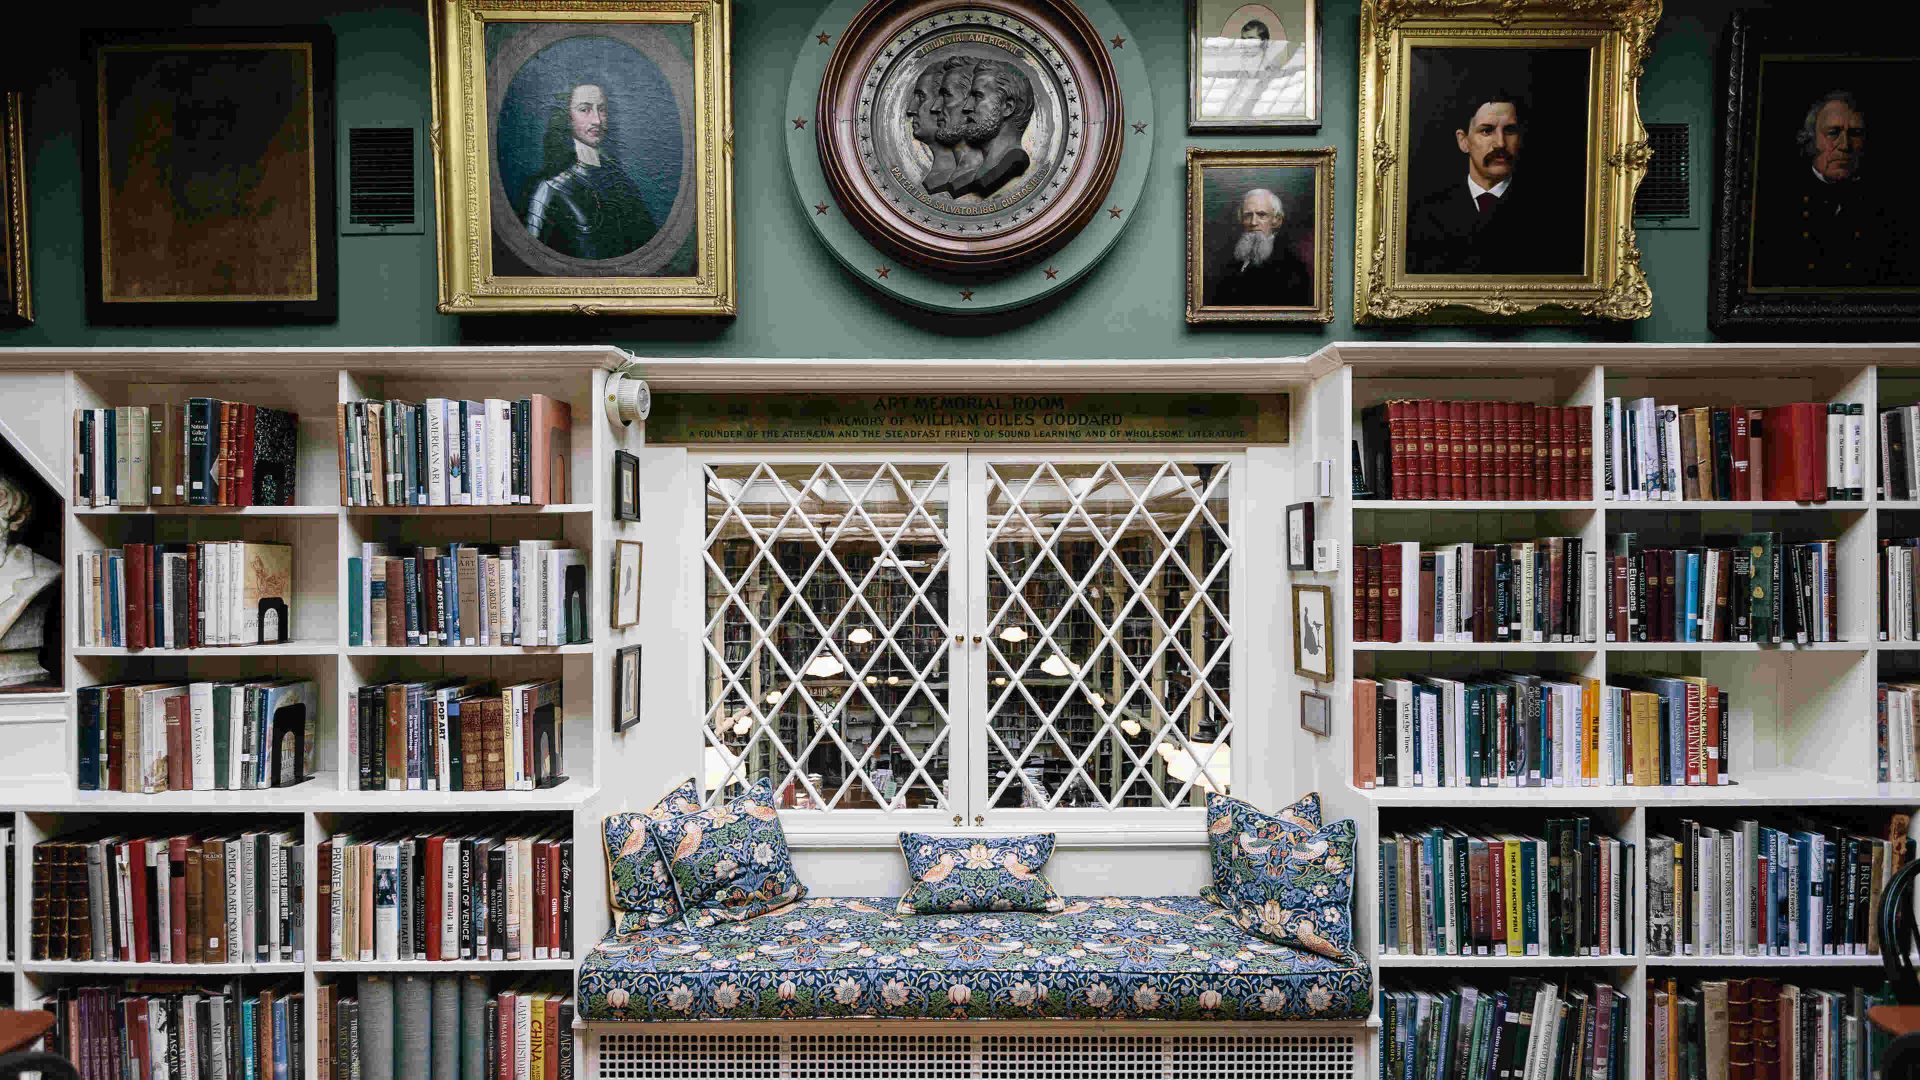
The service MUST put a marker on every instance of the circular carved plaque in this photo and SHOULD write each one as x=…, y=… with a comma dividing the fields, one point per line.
x=969, y=136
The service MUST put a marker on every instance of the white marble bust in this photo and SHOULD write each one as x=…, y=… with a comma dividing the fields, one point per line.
x=26, y=588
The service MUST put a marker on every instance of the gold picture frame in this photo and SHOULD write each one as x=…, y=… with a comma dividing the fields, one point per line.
x=1313, y=632
x=1299, y=282
x=627, y=214
x=1420, y=60
x=16, y=280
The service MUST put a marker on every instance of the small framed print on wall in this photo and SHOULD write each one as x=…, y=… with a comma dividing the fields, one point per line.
x=626, y=688
x=626, y=583
x=1253, y=67
x=1313, y=632
x=1300, y=536
x=1316, y=712
x=626, y=486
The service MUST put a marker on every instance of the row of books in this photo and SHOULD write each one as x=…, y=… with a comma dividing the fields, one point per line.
x=170, y=900
x=206, y=452
x=1802, y=889
x=1806, y=451
x=168, y=1029
x=186, y=596
x=445, y=894
x=1763, y=1029
x=1488, y=450
x=1755, y=587
x=1458, y=893
x=450, y=452
x=1515, y=729
x=1899, y=615
x=200, y=736
x=442, y=1027
x=1900, y=453
x=1544, y=590
x=1534, y=1029
x=526, y=593
x=458, y=735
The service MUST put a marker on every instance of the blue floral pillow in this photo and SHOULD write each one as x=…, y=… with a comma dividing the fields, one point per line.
x=957, y=874
x=1302, y=894
x=730, y=863
x=638, y=884
x=1239, y=837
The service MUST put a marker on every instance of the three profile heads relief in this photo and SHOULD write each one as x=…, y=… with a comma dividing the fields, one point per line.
x=970, y=113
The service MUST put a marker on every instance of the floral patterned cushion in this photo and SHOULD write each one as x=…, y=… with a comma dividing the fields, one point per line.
x=1100, y=958
x=730, y=863
x=1299, y=893
x=638, y=884
x=957, y=874
x=1232, y=823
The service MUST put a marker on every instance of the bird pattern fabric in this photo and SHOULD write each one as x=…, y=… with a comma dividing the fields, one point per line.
x=639, y=886
x=1287, y=884
x=730, y=862
x=1098, y=958
x=957, y=874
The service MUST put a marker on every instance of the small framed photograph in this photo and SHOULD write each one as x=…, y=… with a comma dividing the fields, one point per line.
x=1316, y=712
x=626, y=486
x=1253, y=67
x=626, y=583
x=626, y=688
x=1260, y=235
x=1313, y=632
x=1300, y=536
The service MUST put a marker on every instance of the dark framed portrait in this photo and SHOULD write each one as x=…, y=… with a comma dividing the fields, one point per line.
x=1300, y=536
x=16, y=282
x=588, y=169
x=1316, y=712
x=1814, y=228
x=1507, y=146
x=626, y=687
x=210, y=176
x=1253, y=67
x=626, y=486
x=1260, y=235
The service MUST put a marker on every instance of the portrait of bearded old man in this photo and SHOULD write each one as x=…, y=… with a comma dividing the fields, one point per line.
x=1259, y=268
x=971, y=113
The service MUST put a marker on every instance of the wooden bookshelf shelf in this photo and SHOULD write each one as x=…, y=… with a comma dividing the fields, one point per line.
x=1501, y=505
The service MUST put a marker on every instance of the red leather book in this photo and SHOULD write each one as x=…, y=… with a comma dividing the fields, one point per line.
x=1455, y=450
x=139, y=1040
x=1423, y=430
x=1399, y=457
x=1510, y=451
x=1472, y=477
x=323, y=921
x=177, y=897
x=1537, y=422
x=1766, y=1029
x=549, y=908
x=1556, y=430
x=1478, y=897
x=243, y=456
x=179, y=761
x=1388, y=580
x=136, y=625
x=436, y=853
x=396, y=776
x=1366, y=732
x=223, y=461
x=1360, y=593
x=397, y=605
x=1739, y=1025
x=428, y=575
x=1497, y=892
x=1583, y=429
x=1756, y=453
x=1796, y=467
x=1710, y=723
x=1494, y=451
x=137, y=859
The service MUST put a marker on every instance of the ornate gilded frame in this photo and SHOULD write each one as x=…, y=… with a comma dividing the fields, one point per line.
x=16, y=287
x=463, y=165
x=1619, y=33
x=1320, y=160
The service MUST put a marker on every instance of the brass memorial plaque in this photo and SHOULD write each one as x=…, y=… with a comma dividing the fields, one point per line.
x=936, y=418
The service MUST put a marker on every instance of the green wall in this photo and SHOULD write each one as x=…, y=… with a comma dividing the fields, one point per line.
x=795, y=299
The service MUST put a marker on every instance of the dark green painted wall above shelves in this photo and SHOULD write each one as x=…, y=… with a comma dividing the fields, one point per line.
x=795, y=299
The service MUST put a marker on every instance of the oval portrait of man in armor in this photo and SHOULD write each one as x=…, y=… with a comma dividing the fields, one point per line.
x=592, y=135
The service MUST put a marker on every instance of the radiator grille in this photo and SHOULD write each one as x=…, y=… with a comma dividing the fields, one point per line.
x=380, y=178
x=1667, y=191
x=973, y=1056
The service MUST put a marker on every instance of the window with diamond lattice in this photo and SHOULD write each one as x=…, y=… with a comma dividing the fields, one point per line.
x=841, y=595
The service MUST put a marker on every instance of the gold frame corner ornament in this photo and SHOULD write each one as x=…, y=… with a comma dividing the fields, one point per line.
x=1614, y=286
x=462, y=166
x=1320, y=160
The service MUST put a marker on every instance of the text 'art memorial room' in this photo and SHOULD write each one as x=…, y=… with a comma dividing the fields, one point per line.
x=959, y=540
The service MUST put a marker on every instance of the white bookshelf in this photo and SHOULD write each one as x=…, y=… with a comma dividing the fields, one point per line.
x=40, y=389
x=1803, y=735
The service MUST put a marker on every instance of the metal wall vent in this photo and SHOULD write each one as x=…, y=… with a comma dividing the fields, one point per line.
x=1666, y=194
x=383, y=171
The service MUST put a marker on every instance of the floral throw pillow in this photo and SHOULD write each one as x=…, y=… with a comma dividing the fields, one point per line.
x=730, y=863
x=638, y=884
x=1240, y=838
x=957, y=874
x=1303, y=896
